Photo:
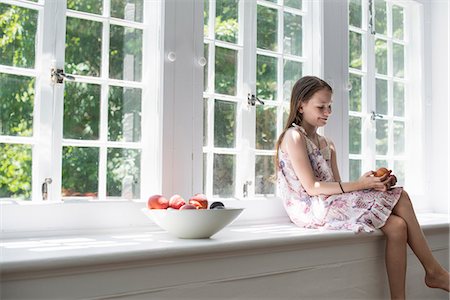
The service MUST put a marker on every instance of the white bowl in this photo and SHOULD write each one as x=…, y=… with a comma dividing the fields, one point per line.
x=193, y=223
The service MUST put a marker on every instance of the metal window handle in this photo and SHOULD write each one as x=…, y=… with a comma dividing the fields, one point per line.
x=251, y=100
x=375, y=116
x=245, y=188
x=58, y=76
x=47, y=181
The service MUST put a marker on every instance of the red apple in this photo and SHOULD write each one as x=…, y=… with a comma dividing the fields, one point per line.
x=381, y=171
x=176, y=201
x=157, y=202
x=199, y=201
x=187, y=206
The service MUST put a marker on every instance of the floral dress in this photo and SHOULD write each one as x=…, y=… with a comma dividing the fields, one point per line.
x=363, y=210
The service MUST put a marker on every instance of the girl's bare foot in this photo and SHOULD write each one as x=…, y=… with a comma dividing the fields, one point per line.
x=439, y=280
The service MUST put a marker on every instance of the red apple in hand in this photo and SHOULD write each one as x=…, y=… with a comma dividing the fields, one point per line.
x=157, y=202
x=199, y=200
x=176, y=201
x=381, y=171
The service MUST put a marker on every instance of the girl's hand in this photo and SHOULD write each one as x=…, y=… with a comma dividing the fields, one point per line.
x=368, y=181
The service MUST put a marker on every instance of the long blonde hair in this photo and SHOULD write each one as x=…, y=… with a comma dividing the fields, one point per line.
x=302, y=92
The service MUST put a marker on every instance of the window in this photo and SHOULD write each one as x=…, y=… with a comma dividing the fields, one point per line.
x=379, y=82
x=82, y=137
x=257, y=50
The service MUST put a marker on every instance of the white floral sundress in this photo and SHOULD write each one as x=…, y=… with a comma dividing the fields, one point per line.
x=364, y=210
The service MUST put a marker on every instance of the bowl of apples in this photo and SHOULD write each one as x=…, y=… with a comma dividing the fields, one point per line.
x=191, y=219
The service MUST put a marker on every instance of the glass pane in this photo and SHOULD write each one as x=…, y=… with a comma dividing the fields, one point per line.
x=131, y=10
x=355, y=50
x=293, y=34
x=291, y=73
x=354, y=169
x=123, y=178
x=264, y=174
x=293, y=3
x=266, y=77
x=16, y=105
x=205, y=68
x=381, y=137
x=18, y=28
x=224, y=124
x=397, y=22
x=355, y=94
x=205, y=122
x=90, y=6
x=125, y=53
x=381, y=163
x=285, y=115
x=206, y=18
x=354, y=135
x=266, y=127
x=380, y=17
x=381, y=96
x=399, y=60
x=355, y=13
x=399, y=99
x=83, y=47
x=205, y=164
x=15, y=171
x=81, y=111
x=226, y=71
x=227, y=26
x=399, y=172
x=399, y=138
x=223, y=178
x=124, y=114
x=80, y=171
x=381, y=56
x=267, y=28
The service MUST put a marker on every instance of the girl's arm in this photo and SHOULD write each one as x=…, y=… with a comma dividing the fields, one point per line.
x=295, y=145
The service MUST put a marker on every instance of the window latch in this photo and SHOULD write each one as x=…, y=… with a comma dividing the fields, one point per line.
x=58, y=76
x=245, y=188
x=45, y=184
x=251, y=100
x=375, y=116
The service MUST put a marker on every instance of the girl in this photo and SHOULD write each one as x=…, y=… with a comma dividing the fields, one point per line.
x=315, y=197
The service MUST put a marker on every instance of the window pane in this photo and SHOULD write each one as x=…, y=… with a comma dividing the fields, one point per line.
x=354, y=135
x=123, y=173
x=224, y=124
x=131, y=10
x=293, y=3
x=266, y=127
x=205, y=122
x=399, y=138
x=354, y=169
x=266, y=77
x=15, y=171
x=399, y=99
x=397, y=22
x=381, y=137
x=205, y=68
x=16, y=105
x=267, y=28
x=227, y=27
x=90, y=6
x=355, y=94
x=355, y=50
x=381, y=163
x=355, y=13
x=285, y=115
x=226, y=71
x=205, y=167
x=381, y=96
x=380, y=17
x=206, y=18
x=399, y=60
x=223, y=178
x=81, y=111
x=292, y=72
x=124, y=114
x=381, y=56
x=293, y=34
x=83, y=47
x=17, y=36
x=399, y=172
x=80, y=171
x=264, y=172
x=125, y=53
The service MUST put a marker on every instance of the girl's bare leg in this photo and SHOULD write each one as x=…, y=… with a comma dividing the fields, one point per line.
x=436, y=276
x=396, y=233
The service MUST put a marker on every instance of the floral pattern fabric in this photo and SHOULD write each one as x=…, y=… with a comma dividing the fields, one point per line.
x=364, y=210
